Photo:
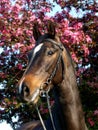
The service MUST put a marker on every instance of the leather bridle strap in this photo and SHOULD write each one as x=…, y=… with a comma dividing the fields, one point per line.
x=54, y=71
x=55, y=43
x=50, y=113
x=40, y=117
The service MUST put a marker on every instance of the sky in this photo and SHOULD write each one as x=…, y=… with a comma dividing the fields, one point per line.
x=5, y=126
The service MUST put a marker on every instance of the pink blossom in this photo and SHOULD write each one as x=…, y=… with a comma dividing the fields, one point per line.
x=3, y=75
x=74, y=57
x=29, y=32
x=91, y=122
x=30, y=47
x=19, y=66
x=32, y=40
x=46, y=18
x=6, y=52
x=32, y=18
x=18, y=45
x=14, y=102
x=68, y=33
x=75, y=38
x=96, y=112
x=1, y=43
x=28, y=1
x=45, y=10
x=64, y=40
x=81, y=70
x=65, y=23
x=86, y=59
x=16, y=8
x=93, y=84
x=39, y=21
x=24, y=49
x=88, y=39
x=86, y=50
x=78, y=26
x=19, y=32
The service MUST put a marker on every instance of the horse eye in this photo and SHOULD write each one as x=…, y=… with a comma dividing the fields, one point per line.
x=50, y=52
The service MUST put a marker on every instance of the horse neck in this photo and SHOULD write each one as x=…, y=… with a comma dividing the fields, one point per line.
x=68, y=101
x=58, y=114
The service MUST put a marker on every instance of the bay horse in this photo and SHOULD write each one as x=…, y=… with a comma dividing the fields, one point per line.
x=51, y=67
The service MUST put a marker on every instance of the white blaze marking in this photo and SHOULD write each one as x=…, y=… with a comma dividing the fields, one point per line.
x=36, y=49
x=20, y=85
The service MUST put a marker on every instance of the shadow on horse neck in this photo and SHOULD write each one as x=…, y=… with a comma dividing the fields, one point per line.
x=51, y=67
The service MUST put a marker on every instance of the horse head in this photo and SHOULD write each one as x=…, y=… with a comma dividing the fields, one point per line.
x=45, y=67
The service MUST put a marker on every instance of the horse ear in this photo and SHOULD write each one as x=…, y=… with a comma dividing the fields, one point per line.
x=36, y=31
x=51, y=29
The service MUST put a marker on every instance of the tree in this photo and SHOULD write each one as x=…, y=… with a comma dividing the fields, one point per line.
x=78, y=32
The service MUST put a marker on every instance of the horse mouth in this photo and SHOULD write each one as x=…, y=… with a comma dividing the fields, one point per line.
x=33, y=98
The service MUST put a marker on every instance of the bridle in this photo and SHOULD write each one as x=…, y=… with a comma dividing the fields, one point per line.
x=49, y=80
x=45, y=92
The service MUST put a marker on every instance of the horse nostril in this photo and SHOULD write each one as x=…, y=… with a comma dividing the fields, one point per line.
x=25, y=90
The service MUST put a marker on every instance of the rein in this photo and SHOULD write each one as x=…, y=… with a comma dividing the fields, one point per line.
x=50, y=114
x=44, y=93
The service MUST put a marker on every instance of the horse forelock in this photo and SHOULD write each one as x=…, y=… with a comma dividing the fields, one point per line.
x=44, y=37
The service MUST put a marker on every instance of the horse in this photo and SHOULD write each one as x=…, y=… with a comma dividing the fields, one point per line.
x=50, y=68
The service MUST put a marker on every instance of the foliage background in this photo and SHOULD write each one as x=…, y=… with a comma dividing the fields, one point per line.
x=78, y=30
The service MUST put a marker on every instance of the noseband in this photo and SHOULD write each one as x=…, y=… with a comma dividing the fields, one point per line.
x=43, y=91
